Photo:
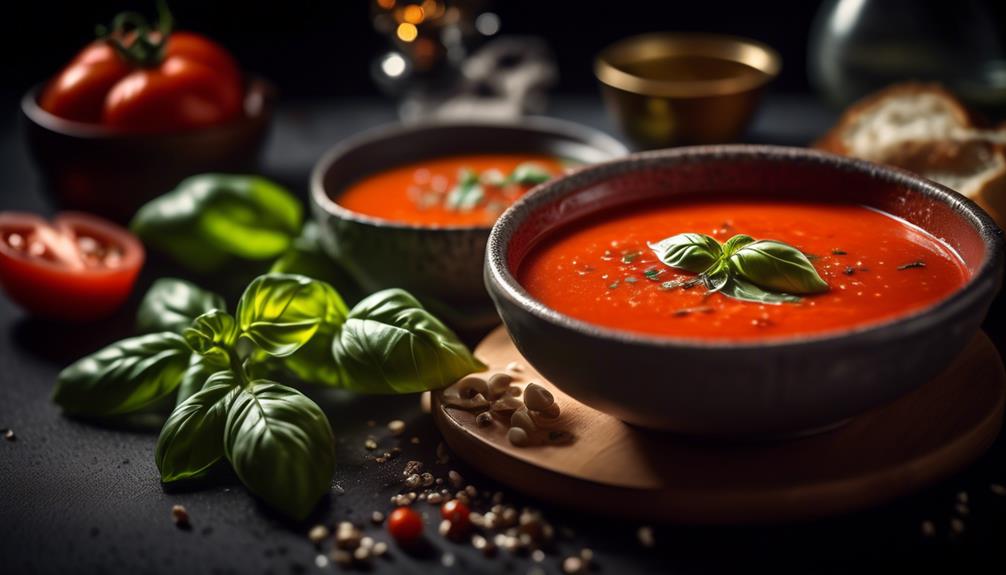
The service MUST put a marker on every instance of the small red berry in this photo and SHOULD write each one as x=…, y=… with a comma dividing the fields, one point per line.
x=405, y=525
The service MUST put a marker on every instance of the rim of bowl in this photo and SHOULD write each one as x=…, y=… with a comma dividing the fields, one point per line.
x=497, y=248
x=259, y=98
x=547, y=127
x=757, y=55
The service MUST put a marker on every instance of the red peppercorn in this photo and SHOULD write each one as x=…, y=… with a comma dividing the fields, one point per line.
x=459, y=516
x=405, y=525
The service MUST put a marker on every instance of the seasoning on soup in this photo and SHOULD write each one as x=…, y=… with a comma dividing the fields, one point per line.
x=613, y=269
x=450, y=191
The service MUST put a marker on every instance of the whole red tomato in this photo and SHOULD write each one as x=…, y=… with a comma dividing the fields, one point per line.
x=145, y=80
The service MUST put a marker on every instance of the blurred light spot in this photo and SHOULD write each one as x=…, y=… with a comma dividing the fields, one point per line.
x=487, y=23
x=386, y=4
x=413, y=14
x=393, y=65
x=407, y=32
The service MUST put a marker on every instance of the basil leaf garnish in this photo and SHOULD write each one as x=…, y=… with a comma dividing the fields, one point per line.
x=692, y=252
x=313, y=361
x=530, y=174
x=778, y=267
x=735, y=243
x=743, y=290
x=211, y=218
x=192, y=438
x=391, y=344
x=212, y=335
x=123, y=377
x=467, y=194
x=280, y=445
x=171, y=304
x=199, y=371
x=282, y=312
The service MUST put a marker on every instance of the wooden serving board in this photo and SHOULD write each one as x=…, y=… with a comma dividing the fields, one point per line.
x=615, y=469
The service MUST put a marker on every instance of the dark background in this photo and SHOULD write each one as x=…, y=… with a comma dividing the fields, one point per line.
x=316, y=49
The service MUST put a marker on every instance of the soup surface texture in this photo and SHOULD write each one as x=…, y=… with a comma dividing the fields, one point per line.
x=601, y=270
x=450, y=191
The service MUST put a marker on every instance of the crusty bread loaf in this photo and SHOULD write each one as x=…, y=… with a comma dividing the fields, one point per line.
x=925, y=129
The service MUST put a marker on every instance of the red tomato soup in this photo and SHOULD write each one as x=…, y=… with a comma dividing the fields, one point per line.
x=877, y=267
x=450, y=191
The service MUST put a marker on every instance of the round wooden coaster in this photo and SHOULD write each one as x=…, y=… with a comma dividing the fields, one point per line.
x=616, y=469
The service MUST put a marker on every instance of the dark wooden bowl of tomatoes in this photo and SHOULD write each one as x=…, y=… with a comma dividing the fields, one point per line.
x=137, y=111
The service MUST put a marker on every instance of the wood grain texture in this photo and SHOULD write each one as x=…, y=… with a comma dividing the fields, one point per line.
x=616, y=469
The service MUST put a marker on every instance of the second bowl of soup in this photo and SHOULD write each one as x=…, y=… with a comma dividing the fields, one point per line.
x=412, y=206
x=742, y=290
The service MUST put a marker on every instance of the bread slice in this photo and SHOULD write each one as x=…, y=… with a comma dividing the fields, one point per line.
x=925, y=129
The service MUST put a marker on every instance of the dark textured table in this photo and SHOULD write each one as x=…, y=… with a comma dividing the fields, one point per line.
x=81, y=498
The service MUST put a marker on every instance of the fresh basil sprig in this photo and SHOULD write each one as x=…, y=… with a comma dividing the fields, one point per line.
x=390, y=344
x=278, y=441
x=763, y=271
x=171, y=305
x=212, y=218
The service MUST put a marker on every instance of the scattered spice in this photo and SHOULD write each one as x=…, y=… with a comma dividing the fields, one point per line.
x=849, y=270
x=645, y=536
x=377, y=518
x=686, y=311
x=928, y=528
x=370, y=444
x=8, y=434
x=957, y=526
x=910, y=265
x=653, y=273
x=455, y=478
x=318, y=534
x=630, y=256
x=180, y=517
x=396, y=427
x=613, y=284
x=572, y=564
x=484, y=419
x=839, y=252
x=631, y=279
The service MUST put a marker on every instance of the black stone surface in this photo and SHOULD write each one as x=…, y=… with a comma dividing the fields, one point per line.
x=82, y=498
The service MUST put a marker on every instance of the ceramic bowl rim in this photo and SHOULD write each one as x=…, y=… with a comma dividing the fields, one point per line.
x=497, y=249
x=546, y=126
x=257, y=87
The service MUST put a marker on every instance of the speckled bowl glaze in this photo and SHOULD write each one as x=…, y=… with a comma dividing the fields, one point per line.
x=442, y=266
x=728, y=389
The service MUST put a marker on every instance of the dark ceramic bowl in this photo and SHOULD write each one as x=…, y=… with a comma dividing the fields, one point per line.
x=97, y=169
x=743, y=389
x=442, y=265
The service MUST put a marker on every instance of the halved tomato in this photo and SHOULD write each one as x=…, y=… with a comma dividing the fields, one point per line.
x=77, y=267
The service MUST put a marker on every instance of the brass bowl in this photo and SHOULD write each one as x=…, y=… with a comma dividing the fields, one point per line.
x=669, y=89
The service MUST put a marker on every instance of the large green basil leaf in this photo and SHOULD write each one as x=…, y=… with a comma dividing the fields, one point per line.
x=390, y=344
x=313, y=361
x=744, y=290
x=306, y=257
x=210, y=218
x=125, y=376
x=735, y=243
x=212, y=335
x=282, y=312
x=778, y=267
x=171, y=304
x=192, y=438
x=692, y=252
x=195, y=377
x=281, y=446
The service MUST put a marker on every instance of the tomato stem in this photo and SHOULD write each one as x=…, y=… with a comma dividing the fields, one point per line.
x=135, y=40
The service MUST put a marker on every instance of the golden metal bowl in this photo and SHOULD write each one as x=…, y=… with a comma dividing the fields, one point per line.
x=668, y=89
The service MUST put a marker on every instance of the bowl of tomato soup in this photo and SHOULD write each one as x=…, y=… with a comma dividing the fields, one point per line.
x=412, y=206
x=742, y=291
